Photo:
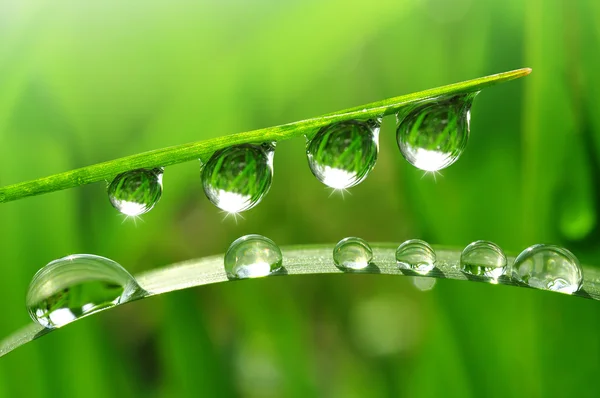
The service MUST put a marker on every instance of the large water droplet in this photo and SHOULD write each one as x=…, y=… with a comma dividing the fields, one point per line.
x=75, y=286
x=416, y=255
x=432, y=135
x=252, y=256
x=341, y=155
x=483, y=258
x=237, y=178
x=136, y=192
x=548, y=267
x=352, y=254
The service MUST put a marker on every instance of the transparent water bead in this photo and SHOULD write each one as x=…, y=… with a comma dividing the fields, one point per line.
x=352, y=254
x=341, y=155
x=548, y=267
x=236, y=178
x=252, y=256
x=416, y=255
x=483, y=258
x=136, y=192
x=424, y=283
x=75, y=286
x=433, y=135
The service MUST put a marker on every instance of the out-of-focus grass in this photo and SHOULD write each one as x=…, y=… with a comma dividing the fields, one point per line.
x=83, y=83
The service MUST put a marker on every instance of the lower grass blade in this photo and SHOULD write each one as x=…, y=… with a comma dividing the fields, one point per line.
x=298, y=260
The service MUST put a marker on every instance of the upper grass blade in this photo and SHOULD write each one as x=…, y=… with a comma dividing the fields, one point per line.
x=203, y=149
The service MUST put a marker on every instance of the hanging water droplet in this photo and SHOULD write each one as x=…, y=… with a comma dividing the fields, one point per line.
x=136, y=192
x=78, y=285
x=433, y=135
x=424, y=283
x=341, y=155
x=352, y=254
x=237, y=178
x=548, y=267
x=483, y=258
x=252, y=256
x=416, y=255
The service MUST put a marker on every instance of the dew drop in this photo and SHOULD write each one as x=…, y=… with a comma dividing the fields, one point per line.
x=352, y=254
x=416, y=255
x=424, y=283
x=236, y=178
x=76, y=286
x=341, y=155
x=136, y=192
x=252, y=256
x=433, y=135
x=483, y=258
x=548, y=267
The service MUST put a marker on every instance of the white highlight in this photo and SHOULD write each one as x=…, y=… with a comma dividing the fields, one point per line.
x=428, y=160
x=255, y=270
x=231, y=202
x=338, y=178
x=61, y=317
x=131, y=209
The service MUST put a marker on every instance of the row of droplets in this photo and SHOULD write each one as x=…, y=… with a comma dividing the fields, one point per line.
x=540, y=266
x=79, y=285
x=431, y=135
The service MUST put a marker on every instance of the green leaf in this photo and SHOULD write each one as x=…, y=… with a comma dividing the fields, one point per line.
x=203, y=149
x=298, y=260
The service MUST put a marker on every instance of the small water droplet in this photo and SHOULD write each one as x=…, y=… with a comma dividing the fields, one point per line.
x=75, y=286
x=548, y=267
x=416, y=255
x=483, y=258
x=238, y=177
x=433, y=135
x=424, y=283
x=136, y=192
x=342, y=154
x=352, y=254
x=252, y=256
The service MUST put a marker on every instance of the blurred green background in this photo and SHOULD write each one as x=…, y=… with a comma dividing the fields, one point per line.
x=84, y=82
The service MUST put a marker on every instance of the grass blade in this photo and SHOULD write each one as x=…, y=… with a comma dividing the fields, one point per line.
x=298, y=260
x=203, y=149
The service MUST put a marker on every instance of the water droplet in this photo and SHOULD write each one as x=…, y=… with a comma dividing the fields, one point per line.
x=433, y=135
x=483, y=258
x=75, y=286
x=136, y=192
x=237, y=178
x=341, y=155
x=416, y=255
x=352, y=254
x=252, y=256
x=424, y=283
x=548, y=267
